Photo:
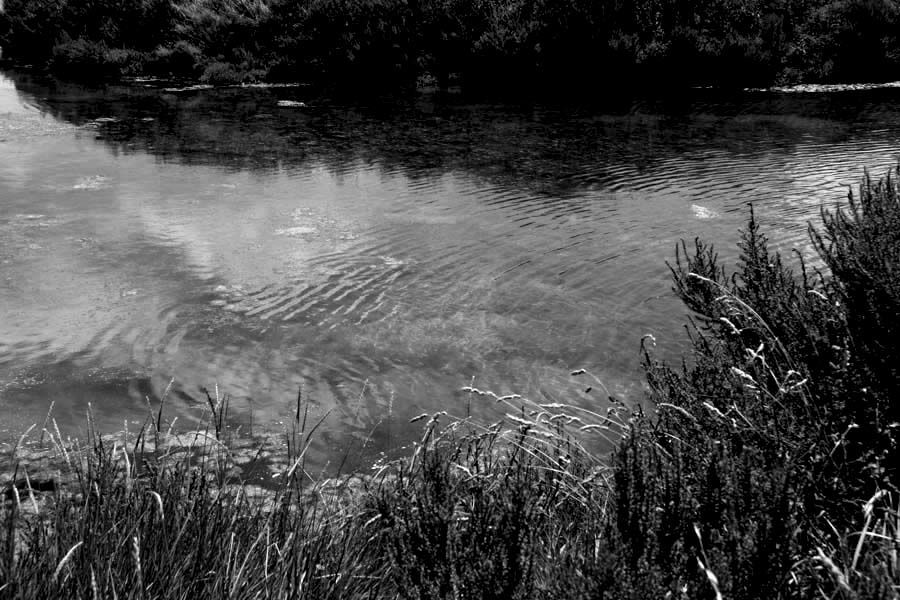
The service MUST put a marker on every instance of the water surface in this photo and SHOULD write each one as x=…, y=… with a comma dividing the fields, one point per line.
x=376, y=256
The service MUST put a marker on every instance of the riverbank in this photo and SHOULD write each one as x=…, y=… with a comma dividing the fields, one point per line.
x=768, y=470
x=501, y=45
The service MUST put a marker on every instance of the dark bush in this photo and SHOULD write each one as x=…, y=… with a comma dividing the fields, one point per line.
x=125, y=61
x=179, y=60
x=221, y=74
x=83, y=59
x=29, y=29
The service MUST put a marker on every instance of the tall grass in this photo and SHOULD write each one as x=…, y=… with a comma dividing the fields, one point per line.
x=161, y=515
x=767, y=469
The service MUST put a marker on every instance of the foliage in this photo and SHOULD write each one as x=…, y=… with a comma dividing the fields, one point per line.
x=31, y=29
x=786, y=415
x=498, y=44
x=359, y=44
x=89, y=60
x=217, y=73
x=182, y=59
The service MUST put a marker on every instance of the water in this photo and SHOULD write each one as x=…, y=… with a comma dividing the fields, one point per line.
x=377, y=257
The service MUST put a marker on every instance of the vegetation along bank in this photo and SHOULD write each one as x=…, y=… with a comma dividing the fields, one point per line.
x=533, y=45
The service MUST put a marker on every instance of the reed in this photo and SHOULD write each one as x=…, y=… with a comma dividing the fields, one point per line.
x=156, y=514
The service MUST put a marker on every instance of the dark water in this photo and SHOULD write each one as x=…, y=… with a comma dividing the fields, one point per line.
x=379, y=257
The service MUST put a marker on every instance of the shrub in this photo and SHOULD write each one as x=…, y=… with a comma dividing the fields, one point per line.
x=218, y=73
x=179, y=60
x=84, y=59
x=125, y=61
x=784, y=417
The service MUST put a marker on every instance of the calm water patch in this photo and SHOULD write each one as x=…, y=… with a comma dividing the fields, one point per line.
x=379, y=257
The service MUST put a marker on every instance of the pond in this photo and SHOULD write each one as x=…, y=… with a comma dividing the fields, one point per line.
x=377, y=257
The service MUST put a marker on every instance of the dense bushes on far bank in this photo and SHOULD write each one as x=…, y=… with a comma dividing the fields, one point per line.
x=500, y=44
x=769, y=469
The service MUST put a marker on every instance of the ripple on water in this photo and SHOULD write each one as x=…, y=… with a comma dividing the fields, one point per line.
x=380, y=260
x=91, y=182
x=337, y=288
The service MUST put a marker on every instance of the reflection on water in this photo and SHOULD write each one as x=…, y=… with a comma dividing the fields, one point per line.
x=377, y=257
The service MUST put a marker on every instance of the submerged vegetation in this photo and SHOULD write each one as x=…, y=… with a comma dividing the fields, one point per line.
x=767, y=469
x=497, y=44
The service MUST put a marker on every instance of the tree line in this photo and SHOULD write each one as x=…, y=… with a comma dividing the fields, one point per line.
x=506, y=44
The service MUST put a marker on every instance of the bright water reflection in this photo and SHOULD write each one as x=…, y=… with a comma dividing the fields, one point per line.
x=380, y=257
